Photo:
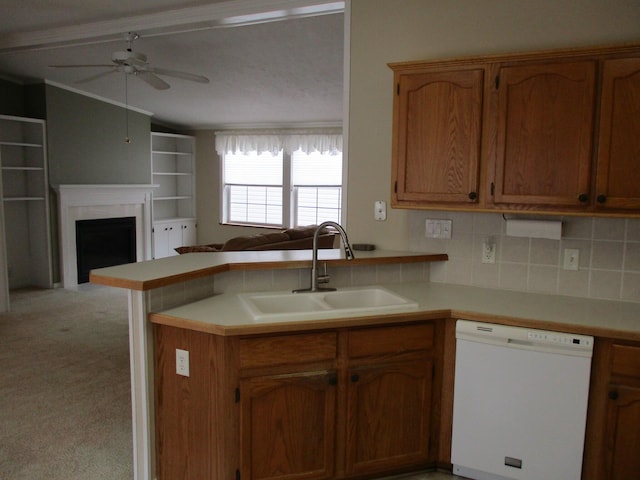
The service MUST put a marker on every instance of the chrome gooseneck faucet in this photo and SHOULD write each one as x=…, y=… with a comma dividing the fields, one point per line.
x=316, y=279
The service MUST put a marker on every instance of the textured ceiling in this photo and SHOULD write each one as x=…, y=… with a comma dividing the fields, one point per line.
x=277, y=73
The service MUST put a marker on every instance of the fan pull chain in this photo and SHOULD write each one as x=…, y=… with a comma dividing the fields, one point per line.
x=127, y=139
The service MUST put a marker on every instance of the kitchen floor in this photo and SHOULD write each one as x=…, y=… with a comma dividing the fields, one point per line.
x=425, y=476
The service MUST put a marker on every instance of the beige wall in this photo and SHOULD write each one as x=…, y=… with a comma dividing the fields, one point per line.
x=384, y=31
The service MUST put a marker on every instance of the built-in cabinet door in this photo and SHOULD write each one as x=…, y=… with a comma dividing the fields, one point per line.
x=622, y=446
x=618, y=169
x=168, y=236
x=544, y=133
x=388, y=416
x=188, y=236
x=287, y=425
x=437, y=137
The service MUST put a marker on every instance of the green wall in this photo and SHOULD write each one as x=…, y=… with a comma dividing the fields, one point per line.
x=11, y=99
x=86, y=141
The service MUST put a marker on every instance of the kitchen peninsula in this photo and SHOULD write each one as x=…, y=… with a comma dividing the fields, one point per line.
x=196, y=294
x=158, y=285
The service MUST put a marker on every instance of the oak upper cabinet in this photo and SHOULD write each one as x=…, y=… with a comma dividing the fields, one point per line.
x=552, y=132
x=618, y=165
x=437, y=135
x=545, y=127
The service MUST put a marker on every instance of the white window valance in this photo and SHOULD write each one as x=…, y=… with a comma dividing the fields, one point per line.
x=324, y=141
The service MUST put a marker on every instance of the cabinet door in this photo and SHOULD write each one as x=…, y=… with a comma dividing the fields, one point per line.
x=544, y=134
x=437, y=133
x=622, y=457
x=188, y=233
x=288, y=426
x=388, y=416
x=618, y=168
x=166, y=237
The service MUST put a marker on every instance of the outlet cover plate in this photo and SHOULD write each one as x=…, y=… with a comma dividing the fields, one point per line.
x=571, y=259
x=435, y=228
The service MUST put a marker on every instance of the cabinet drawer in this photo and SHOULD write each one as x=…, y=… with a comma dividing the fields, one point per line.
x=625, y=360
x=380, y=341
x=287, y=349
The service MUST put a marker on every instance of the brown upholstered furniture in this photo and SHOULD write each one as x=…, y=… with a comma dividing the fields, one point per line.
x=299, y=238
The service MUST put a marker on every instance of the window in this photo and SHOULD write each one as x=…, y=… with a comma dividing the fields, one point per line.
x=283, y=190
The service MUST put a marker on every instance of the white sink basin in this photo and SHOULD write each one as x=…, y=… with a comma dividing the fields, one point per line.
x=287, y=306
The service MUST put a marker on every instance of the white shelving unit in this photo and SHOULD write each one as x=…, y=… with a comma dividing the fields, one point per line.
x=25, y=233
x=173, y=172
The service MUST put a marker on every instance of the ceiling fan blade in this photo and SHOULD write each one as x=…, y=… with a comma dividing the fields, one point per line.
x=176, y=74
x=151, y=79
x=96, y=76
x=80, y=66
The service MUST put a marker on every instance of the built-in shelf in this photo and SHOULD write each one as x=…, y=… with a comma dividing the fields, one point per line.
x=25, y=202
x=173, y=174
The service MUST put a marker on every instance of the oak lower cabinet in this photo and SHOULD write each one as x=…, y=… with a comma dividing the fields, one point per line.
x=349, y=402
x=288, y=426
x=613, y=426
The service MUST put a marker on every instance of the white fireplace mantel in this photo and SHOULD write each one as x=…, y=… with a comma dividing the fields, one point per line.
x=89, y=202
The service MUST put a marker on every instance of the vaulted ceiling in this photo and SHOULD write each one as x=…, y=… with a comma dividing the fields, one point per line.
x=269, y=62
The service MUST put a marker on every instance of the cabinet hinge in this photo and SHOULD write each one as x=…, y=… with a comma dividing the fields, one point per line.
x=497, y=82
x=398, y=88
x=237, y=474
x=237, y=395
x=493, y=188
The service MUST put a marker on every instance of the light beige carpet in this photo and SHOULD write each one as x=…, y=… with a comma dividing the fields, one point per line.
x=65, y=409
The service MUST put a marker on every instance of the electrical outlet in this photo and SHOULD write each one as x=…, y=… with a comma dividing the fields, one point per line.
x=571, y=259
x=489, y=250
x=182, y=362
x=438, y=228
x=380, y=210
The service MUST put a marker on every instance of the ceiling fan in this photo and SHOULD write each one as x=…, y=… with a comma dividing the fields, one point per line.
x=135, y=63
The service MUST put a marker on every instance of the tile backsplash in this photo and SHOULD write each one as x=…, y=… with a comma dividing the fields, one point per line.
x=609, y=255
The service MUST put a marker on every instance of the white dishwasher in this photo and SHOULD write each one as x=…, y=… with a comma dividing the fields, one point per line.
x=520, y=402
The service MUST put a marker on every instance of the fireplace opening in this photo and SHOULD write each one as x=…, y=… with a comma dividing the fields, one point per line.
x=104, y=242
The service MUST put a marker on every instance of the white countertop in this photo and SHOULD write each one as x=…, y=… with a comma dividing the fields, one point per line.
x=225, y=314
x=165, y=271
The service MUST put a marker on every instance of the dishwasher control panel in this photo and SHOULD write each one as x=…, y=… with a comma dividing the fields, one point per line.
x=525, y=338
x=561, y=338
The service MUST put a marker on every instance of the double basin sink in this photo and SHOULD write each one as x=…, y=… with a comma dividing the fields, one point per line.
x=288, y=306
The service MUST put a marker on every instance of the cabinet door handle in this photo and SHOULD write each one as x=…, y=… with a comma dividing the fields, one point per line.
x=601, y=198
x=583, y=197
x=473, y=195
x=613, y=395
x=355, y=377
x=333, y=380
